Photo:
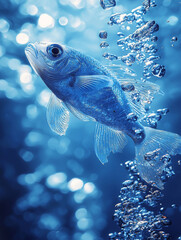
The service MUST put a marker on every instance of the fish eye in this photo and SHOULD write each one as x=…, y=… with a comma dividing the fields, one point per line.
x=54, y=50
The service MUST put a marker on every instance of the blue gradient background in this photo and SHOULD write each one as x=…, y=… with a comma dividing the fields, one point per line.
x=34, y=203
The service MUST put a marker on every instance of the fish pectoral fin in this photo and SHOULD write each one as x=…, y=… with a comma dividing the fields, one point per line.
x=141, y=95
x=78, y=114
x=92, y=82
x=57, y=115
x=108, y=140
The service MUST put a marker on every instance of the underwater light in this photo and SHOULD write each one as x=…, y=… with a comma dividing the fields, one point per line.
x=45, y=21
x=172, y=20
x=89, y=187
x=32, y=10
x=54, y=181
x=75, y=184
x=22, y=38
x=4, y=25
x=63, y=21
x=25, y=77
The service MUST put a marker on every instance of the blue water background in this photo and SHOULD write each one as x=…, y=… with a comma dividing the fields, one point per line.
x=54, y=187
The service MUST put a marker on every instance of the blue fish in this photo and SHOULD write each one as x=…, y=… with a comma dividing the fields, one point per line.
x=92, y=92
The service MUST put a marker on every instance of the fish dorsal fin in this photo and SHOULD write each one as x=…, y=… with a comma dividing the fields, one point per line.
x=78, y=114
x=107, y=140
x=57, y=115
x=92, y=82
x=139, y=94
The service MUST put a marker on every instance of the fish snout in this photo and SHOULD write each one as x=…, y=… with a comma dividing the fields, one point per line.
x=31, y=49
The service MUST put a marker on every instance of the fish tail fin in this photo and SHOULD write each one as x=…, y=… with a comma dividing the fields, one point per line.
x=153, y=154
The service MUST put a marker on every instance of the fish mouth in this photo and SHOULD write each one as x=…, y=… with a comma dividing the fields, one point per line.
x=31, y=53
x=31, y=50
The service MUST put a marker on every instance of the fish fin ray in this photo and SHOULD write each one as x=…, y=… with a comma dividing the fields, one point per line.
x=146, y=92
x=120, y=70
x=78, y=114
x=57, y=115
x=165, y=143
x=92, y=82
x=107, y=140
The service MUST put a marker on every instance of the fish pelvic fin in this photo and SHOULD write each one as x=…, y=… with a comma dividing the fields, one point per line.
x=108, y=140
x=57, y=115
x=153, y=155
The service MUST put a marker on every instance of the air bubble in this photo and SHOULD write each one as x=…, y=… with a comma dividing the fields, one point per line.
x=132, y=117
x=158, y=70
x=103, y=34
x=106, y=4
x=104, y=45
x=127, y=87
x=128, y=59
x=110, y=56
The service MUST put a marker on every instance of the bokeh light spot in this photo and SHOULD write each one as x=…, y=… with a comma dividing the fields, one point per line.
x=49, y=222
x=32, y=10
x=63, y=21
x=22, y=38
x=54, y=180
x=4, y=25
x=84, y=224
x=45, y=21
x=89, y=187
x=75, y=184
x=81, y=213
x=25, y=77
x=172, y=20
x=44, y=97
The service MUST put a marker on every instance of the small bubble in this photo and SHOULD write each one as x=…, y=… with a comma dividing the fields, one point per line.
x=173, y=205
x=104, y=45
x=106, y=4
x=103, y=34
x=110, y=56
x=151, y=156
x=120, y=34
x=127, y=87
x=127, y=183
x=163, y=111
x=174, y=39
x=136, y=97
x=158, y=70
x=132, y=117
x=118, y=18
x=154, y=39
x=166, y=159
x=128, y=59
x=139, y=133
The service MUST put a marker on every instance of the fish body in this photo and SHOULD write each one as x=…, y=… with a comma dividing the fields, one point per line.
x=82, y=85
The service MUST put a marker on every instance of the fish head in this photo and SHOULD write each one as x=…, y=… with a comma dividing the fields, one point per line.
x=51, y=61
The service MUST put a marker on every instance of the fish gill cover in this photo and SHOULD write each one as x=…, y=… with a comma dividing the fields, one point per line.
x=53, y=187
